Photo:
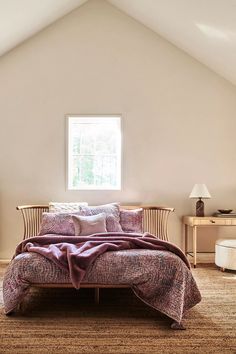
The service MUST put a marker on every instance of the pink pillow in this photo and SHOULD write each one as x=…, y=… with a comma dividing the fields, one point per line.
x=131, y=220
x=88, y=225
x=112, y=212
x=58, y=223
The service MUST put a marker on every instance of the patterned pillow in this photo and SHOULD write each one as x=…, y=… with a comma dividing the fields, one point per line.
x=58, y=223
x=65, y=207
x=131, y=220
x=112, y=212
x=88, y=225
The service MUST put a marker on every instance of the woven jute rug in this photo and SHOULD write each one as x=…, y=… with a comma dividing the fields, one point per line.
x=68, y=321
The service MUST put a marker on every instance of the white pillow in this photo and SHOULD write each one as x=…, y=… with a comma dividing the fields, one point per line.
x=65, y=207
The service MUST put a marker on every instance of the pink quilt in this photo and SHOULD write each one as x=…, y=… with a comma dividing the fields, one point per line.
x=157, y=271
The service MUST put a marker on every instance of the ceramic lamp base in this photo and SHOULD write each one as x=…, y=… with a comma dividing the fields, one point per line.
x=200, y=208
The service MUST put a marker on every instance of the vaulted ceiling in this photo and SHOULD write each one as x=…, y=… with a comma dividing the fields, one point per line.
x=205, y=29
x=21, y=19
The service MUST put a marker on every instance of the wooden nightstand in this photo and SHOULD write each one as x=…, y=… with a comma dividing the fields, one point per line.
x=195, y=221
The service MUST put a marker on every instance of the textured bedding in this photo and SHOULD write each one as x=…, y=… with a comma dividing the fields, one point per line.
x=156, y=270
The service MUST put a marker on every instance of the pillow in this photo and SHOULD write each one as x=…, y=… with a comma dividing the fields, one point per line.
x=131, y=220
x=65, y=207
x=88, y=225
x=57, y=223
x=112, y=212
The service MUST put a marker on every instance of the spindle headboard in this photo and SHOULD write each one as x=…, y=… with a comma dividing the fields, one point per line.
x=155, y=219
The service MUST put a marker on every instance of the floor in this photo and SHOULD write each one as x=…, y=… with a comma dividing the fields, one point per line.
x=68, y=321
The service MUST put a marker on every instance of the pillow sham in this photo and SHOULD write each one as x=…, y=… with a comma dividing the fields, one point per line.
x=57, y=223
x=88, y=225
x=55, y=207
x=112, y=212
x=131, y=220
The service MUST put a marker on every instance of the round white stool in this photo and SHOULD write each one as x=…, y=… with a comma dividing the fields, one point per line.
x=226, y=254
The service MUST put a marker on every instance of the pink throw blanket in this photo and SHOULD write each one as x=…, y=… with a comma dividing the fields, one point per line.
x=77, y=253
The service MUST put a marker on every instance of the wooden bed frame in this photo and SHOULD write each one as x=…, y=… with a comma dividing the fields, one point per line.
x=155, y=221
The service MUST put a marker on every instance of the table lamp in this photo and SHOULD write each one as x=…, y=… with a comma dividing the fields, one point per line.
x=200, y=192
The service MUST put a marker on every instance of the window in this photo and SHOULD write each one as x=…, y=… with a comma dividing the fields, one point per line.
x=94, y=152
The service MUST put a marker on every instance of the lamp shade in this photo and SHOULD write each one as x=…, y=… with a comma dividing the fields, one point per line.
x=200, y=191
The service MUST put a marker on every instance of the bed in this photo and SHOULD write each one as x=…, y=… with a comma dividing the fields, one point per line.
x=156, y=270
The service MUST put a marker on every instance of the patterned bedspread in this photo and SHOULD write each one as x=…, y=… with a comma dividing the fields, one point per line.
x=158, y=277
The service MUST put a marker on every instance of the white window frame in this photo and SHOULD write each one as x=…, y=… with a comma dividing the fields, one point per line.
x=68, y=149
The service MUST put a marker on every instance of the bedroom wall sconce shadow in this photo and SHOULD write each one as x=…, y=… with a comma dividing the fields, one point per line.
x=200, y=192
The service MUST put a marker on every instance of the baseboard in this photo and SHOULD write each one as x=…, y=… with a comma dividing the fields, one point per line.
x=203, y=257
x=5, y=261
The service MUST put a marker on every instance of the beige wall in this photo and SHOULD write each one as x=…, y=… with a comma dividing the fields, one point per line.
x=179, y=118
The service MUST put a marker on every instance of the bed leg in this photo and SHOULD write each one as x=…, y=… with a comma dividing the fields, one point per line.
x=96, y=296
x=20, y=308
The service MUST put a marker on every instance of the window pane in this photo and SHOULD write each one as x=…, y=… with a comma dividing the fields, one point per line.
x=94, y=152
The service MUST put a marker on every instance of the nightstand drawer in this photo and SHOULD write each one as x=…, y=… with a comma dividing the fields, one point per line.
x=208, y=221
x=212, y=222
